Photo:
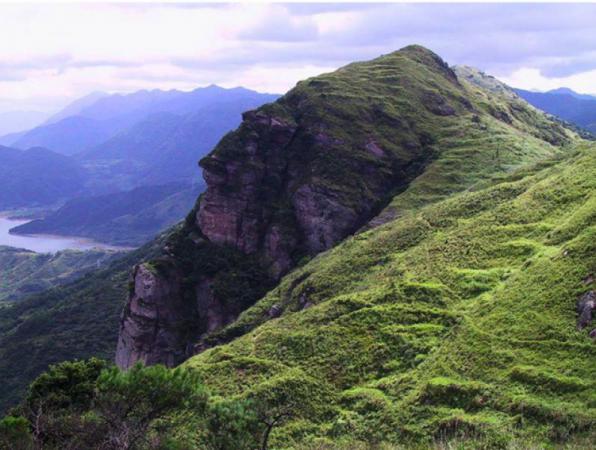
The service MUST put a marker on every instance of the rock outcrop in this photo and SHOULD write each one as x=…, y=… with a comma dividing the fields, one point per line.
x=296, y=178
x=151, y=305
x=585, y=307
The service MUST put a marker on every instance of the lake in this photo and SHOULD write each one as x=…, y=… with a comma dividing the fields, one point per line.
x=45, y=243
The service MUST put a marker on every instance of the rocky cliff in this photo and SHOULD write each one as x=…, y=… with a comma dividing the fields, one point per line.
x=297, y=177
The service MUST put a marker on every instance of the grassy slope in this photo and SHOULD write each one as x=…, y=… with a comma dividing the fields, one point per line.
x=24, y=272
x=390, y=345
x=461, y=313
x=469, y=147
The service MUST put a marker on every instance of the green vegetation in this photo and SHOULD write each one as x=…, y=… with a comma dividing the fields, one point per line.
x=88, y=404
x=24, y=272
x=84, y=404
x=449, y=322
x=77, y=320
x=474, y=348
x=455, y=321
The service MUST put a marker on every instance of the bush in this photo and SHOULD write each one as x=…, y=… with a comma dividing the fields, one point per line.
x=15, y=434
x=131, y=403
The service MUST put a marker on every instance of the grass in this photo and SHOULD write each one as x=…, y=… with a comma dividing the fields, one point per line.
x=23, y=272
x=454, y=323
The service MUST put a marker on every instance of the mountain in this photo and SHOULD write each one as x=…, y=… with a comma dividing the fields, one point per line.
x=305, y=172
x=391, y=253
x=140, y=104
x=455, y=322
x=165, y=146
x=566, y=104
x=68, y=136
x=23, y=272
x=121, y=218
x=94, y=119
x=123, y=142
x=68, y=131
x=17, y=121
x=37, y=177
x=567, y=91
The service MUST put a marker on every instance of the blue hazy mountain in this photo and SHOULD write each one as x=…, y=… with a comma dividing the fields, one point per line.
x=567, y=91
x=99, y=117
x=37, y=176
x=75, y=108
x=137, y=172
x=166, y=146
x=579, y=109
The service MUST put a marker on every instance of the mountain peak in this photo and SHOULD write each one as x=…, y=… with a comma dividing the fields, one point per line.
x=429, y=58
x=562, y=90
x=301, y=174
x=571, y=92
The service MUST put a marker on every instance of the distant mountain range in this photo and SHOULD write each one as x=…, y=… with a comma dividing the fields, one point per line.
x=90, y=121
x=579, y=109
x=126, y=161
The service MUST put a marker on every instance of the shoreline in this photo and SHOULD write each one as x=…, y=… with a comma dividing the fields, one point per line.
x=79, y=243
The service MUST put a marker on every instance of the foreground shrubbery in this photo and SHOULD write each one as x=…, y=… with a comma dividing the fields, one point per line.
x=92, y=405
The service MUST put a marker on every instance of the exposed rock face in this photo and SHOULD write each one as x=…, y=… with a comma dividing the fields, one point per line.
x=235, y=209
x=268, y=201
x=151, y=306
x=585, y=306
x=161, y=323
x=296, y=178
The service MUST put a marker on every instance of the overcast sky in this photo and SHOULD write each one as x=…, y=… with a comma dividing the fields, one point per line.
x=51, y=54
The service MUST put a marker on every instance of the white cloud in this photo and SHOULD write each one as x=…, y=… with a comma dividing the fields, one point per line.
x=533, y=79
x=52, y=53
x=68, y=50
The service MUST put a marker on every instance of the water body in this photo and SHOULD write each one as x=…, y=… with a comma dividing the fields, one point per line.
x=45, y=243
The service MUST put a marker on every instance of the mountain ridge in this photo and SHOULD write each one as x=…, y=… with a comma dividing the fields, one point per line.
x=288, y=184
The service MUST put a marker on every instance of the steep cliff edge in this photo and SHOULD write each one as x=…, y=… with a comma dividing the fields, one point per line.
x=301, y=174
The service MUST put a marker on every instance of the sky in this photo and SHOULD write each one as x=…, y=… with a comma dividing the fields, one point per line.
x=51, y=54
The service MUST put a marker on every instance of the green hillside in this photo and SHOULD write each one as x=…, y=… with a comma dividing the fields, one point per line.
x=456, y=318
x=24, y=272
x=303, y=173
x=72, y=321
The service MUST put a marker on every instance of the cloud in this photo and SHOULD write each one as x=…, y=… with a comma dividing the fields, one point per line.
x=534, y=79
x=50, y=54
x=278, y=25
